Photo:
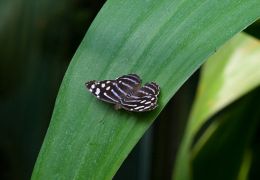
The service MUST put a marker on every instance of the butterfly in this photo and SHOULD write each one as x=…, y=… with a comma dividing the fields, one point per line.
x=125, y=92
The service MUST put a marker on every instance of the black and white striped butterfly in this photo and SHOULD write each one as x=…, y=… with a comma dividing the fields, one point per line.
x=125, y=92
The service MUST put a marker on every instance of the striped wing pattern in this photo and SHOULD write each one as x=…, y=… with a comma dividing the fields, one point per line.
x=144, y=99
x=125, y=92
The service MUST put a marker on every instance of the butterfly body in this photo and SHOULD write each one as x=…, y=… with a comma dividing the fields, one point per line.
x=125, y=92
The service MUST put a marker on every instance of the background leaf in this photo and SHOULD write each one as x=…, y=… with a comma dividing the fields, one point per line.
x=162, y=41
x=225, y=150
x=227, y=75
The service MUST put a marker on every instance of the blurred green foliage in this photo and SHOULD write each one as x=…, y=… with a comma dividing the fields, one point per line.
x=219, y=142
x=37, y=42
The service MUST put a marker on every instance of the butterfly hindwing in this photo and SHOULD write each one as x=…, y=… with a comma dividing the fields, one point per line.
x=150, y=88
x=140, y=103
x=143, y=99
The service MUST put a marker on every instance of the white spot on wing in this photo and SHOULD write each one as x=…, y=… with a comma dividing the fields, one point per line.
x=139, y=107
x=148, y=102
x=143, y=101
x=108, y=82
x=110, y=97
x=130, y=80
x=103, y=85
x=134, y=105
x=133, y=100
x=149, y=88
x=127, y=85
x=97, y=91
x=144, y=92
x=90, y=90
x=93, y=86
x=112, y=90
x=108, y=88
x=119, y=89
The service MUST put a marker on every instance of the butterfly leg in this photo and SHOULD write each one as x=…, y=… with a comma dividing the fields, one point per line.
x=118, y=112
x=132, y=114
x=103, y=119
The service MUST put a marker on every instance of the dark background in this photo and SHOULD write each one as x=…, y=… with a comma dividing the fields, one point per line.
x=37, y=42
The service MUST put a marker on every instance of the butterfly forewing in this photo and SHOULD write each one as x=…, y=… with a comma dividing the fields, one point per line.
x=125, y=93
x=104, y=90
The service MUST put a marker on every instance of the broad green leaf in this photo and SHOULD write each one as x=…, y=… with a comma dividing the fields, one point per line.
x=227, y=75
x=162, y=41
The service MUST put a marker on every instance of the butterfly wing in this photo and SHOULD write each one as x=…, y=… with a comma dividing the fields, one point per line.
x=103, y=90
x=113, y=90
x=124, y=92
x=144, y=99
x=128, y=84
x=150, y=88
x=138, y=104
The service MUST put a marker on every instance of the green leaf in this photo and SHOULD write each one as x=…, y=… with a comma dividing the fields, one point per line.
x=162, y=41
x=227, y=75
